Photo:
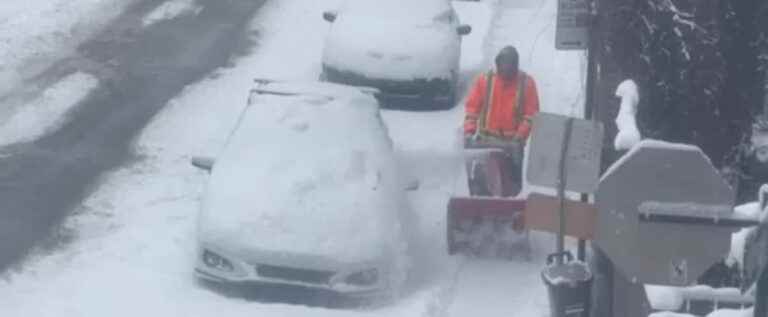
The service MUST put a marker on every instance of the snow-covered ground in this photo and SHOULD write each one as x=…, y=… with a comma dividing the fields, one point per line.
x=170, y=10
x=135, y=243
x=34, y=33
x=48, y=111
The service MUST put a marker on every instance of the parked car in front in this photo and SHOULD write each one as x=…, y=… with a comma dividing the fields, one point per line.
x=409, y=50
x=305, y=192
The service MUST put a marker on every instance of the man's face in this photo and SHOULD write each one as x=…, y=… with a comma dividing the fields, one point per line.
x=507, y=71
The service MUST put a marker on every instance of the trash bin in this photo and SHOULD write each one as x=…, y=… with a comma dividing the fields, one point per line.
x=569, y=286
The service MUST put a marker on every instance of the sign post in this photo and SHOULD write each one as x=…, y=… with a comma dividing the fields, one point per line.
x=575, y=21
x=578, y=143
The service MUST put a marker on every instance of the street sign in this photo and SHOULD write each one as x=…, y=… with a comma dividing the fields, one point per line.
x=572, y=25
x=665, y=214
x=582, y=160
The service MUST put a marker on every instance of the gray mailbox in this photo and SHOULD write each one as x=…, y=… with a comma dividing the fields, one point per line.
x=665, y=214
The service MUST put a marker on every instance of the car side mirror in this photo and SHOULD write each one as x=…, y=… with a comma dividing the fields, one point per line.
x=464, y=29
x=203, y=162
x=329, y=16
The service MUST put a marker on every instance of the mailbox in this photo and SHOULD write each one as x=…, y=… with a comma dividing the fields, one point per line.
x=665, y=214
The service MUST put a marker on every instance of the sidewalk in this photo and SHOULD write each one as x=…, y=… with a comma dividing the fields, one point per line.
x=530, y=26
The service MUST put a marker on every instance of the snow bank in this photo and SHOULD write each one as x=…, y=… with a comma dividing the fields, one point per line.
x=664, y=298
x=171, y=10
x=704, y=292
x=717, y=313
x=48, y=111
x=628, y=134
x=732, y=313
x=669, y=314
x=749, y=210
x=303, y=174
x=671, y=299
x=738, y=247
x=35, y=32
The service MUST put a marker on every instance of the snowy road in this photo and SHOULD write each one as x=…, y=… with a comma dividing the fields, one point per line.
x=126, y=74
x=133, y=237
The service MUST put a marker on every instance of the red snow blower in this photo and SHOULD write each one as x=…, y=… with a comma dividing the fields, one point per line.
x=489, y=222
x=493, y=221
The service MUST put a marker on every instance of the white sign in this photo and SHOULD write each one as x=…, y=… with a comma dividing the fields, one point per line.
x=572, y=25
x=582, y=158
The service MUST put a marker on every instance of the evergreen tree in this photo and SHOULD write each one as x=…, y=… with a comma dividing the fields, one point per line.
x=700, y=66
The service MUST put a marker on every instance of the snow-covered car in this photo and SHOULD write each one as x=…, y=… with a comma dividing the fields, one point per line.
x=409, y=50
x=305, y=192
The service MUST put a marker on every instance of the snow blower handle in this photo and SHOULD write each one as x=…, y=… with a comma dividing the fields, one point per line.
x=493, y=143
x=559, y=255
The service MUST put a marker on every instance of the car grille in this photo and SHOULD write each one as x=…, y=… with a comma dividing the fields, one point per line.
x=293, y=274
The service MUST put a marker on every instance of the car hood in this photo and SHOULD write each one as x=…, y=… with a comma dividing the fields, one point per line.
x=391, y=49
x=330, y=205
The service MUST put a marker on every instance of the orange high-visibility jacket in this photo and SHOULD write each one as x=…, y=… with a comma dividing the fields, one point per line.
x=501, y=116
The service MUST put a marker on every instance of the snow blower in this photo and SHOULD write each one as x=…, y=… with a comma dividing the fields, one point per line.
x=489, y=222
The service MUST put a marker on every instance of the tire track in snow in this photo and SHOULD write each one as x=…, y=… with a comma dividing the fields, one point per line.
x=149, y=67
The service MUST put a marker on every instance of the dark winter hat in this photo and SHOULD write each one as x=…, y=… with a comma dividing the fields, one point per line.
x=508, y=56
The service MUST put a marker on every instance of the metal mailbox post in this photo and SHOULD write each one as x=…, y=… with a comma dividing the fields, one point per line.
x=665, y=216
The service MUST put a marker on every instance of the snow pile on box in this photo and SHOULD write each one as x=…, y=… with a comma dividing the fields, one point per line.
x=650, y=143
x=664, y=298
x=306, y=174
x=398, y=40
x=717, y=313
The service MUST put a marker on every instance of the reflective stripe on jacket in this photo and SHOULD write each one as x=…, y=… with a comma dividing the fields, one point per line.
x=501, y=115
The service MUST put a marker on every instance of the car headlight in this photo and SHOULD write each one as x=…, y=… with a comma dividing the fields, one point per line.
x=215, y=261
x=363, y=278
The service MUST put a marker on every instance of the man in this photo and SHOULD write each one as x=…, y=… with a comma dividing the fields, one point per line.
x=499, y=111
